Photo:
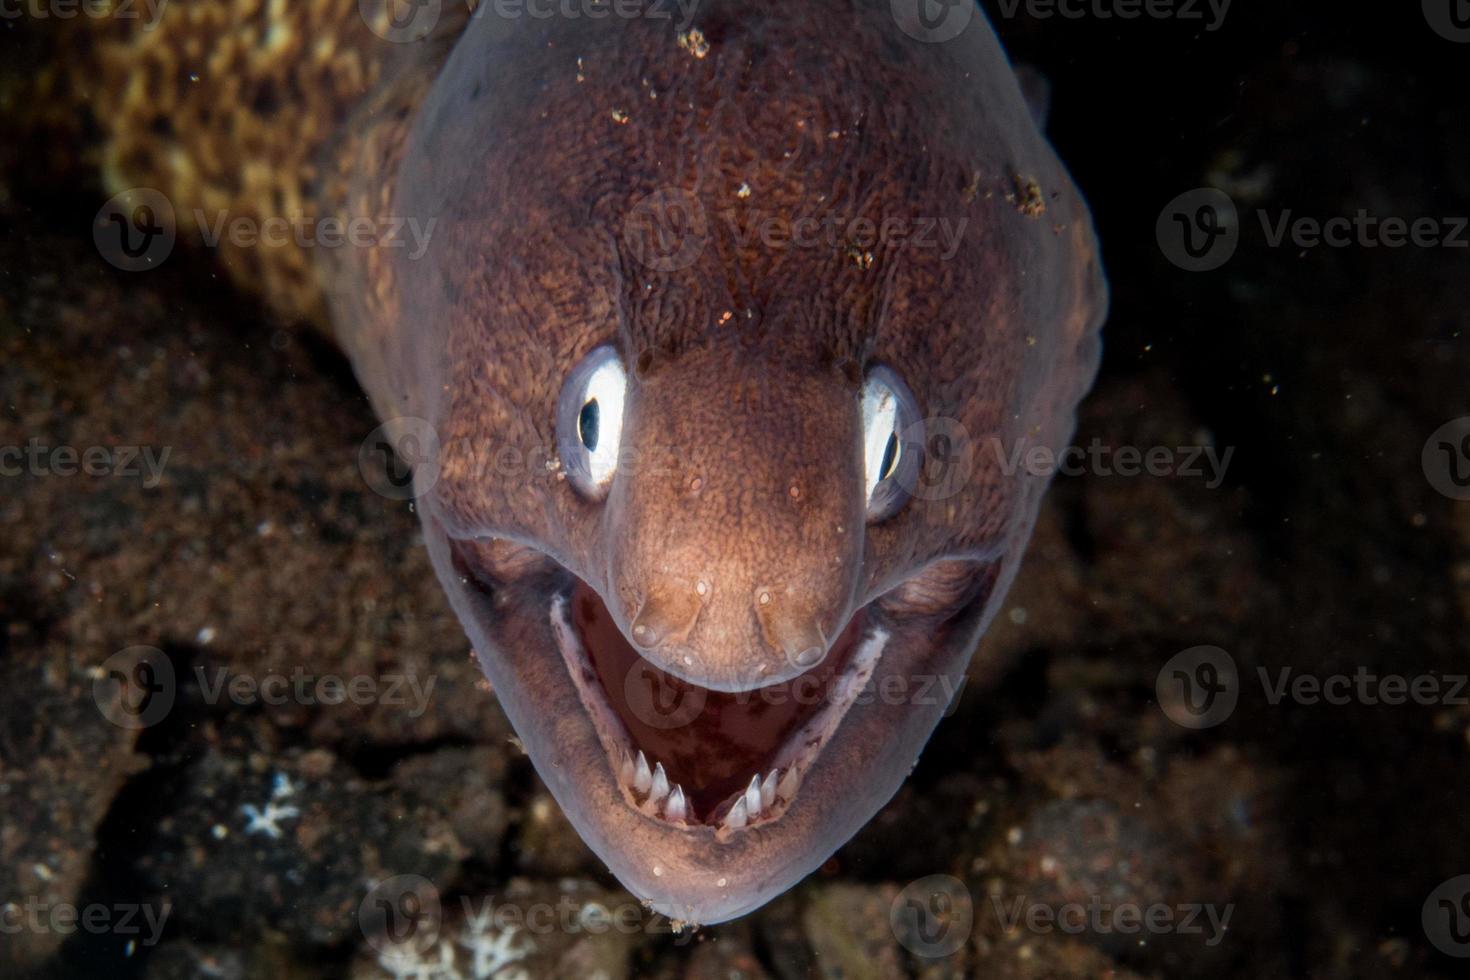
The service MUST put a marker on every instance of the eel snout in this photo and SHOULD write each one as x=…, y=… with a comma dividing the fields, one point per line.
x=735, y=563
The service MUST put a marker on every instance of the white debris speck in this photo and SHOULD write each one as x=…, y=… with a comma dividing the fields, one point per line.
x=493, y=952
x=594, y=915
x=267, y=821
x=406, y=962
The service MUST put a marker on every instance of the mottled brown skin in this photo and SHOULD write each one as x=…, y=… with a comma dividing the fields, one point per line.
x=531, y=147
x=748, y=363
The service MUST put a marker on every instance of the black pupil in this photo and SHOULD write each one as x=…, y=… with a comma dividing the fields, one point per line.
x=587, y=423
x=890, y=457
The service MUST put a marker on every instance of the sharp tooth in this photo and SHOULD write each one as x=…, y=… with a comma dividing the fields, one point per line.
x=753, y=797
x=676, y=809
x=789, y=784
x=627, y=770
x=768, y=789
x=735, y=819
x=642, y=778
x=660, y=784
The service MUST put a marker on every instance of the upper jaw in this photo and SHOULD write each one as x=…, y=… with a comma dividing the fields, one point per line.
x=696, y=872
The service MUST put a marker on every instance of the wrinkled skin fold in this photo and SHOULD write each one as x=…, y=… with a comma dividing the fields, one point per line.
x=736, y=532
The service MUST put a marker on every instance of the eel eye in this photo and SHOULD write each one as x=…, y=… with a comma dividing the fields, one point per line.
x=589, y=421
x=890, y=454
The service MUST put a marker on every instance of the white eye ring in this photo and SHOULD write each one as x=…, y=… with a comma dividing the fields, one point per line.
x=890, y=455
x=589, y=421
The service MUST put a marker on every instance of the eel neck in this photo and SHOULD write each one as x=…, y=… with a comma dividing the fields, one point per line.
x=247, y=116
x=359, y=284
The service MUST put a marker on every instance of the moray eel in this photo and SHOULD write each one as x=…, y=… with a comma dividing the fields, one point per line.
x=726, y=331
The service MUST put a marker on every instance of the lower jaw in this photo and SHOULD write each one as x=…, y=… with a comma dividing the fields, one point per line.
x=719, y=748
x=690, y=873
x=689, y=757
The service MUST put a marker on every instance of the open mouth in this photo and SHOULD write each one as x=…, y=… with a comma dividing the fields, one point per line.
x=691, y=756
x=697, y=759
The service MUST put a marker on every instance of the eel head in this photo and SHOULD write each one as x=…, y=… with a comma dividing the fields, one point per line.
x=717, y=506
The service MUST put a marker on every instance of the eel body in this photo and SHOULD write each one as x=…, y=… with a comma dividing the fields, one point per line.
x=727, y=322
